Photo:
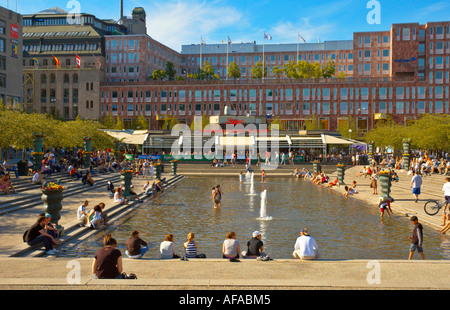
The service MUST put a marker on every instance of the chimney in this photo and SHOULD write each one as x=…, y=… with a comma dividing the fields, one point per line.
x=121, y=9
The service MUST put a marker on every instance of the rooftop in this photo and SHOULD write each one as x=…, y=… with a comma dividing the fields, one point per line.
x=268, y=48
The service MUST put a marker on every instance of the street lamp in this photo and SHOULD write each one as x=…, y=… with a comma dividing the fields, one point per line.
x=350, y=132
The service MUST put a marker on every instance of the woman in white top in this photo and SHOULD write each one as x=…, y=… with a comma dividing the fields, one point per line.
x=167, y=248
x=118, y=197
x=231, y=247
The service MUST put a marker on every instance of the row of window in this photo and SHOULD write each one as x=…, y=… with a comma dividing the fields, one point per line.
x=288, y=108
x=268, y=58
x=288, y=93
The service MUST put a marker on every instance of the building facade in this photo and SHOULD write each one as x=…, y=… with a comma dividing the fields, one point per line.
x=11, y=94
x=400, y=73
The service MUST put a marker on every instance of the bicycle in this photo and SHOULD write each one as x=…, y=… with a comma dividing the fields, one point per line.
x=432, y=207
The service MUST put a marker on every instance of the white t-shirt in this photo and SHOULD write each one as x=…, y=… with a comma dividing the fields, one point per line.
x=81, y=209
x=416, y=181
x=306, y=245
x=446, y=189
x=167, y=249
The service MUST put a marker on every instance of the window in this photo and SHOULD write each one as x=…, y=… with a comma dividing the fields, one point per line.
x=385, y=39
x=367, y=53
x=406, y=34
x=385, y=67
x=399, y=107
x=367, y=40
x=344, y=108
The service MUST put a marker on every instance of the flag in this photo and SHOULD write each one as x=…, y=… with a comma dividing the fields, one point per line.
x=300, y=38
x=98, y=60
x=229, y=41
x=202, y=42
x=36, y=62
x=78, y=61
x=57, y=61
x=267, y=36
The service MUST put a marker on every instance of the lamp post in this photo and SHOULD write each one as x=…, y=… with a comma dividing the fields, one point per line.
x=350, y=134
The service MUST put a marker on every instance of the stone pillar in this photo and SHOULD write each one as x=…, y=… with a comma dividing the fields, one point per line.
x=406, y=153
x=370, y=152
x=125, y=178
x=87, y=152
x=340, y=173
x=38, y=154
x=386, y=182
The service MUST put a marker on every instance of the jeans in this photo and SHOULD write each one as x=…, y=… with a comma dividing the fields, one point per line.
x=46, y=240
x=143, y=251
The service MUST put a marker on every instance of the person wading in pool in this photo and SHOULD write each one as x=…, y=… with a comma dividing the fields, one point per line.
x=217, y=196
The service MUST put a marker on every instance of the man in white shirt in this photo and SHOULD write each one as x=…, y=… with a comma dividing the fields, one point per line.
x=305, y=247
x=445, y=216
x=416, y=183
x=82, y=213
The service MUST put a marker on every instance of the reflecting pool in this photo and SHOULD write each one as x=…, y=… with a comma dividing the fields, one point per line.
x=343, y=228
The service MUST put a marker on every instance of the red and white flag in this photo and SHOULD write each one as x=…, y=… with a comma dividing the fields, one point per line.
x=78, y=61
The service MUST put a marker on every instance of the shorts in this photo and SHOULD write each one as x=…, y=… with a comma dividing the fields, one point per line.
x=416, y=191
x=447, y=199
x=413, y=247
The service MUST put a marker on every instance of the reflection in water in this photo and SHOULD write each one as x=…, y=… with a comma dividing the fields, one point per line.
x=343, y=228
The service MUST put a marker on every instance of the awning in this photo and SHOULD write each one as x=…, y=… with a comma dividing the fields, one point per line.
x=135, y=137
x=334, y=140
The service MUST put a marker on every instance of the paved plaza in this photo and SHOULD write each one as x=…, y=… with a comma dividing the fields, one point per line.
x=32, y=269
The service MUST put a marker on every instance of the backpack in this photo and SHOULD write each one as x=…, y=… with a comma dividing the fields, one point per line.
x=24, y=237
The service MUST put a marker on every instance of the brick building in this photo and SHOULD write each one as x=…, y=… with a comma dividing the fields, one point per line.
x=400, y=73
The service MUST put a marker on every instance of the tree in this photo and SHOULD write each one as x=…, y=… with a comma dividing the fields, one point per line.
x=169, y=122
x=233, y=70
x=140, y=122
x=278, y=72
x=107, y=121
x=205, y=121
x=207, y=72
x=170, y=71
x=158, y=75
x=257, y=71
x=276, y=121
x=329, y=69
x=119, y=124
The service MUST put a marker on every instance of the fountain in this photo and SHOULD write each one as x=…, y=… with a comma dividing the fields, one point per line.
x=252, y=188
x=263, y=211
x=247, y=176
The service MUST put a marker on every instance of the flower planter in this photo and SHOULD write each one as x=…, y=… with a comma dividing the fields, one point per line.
x=125, y=178
x=174, y=167
x=52, y=203
x=158, y=171
x=386, y=183
x=316, y=167
x=406, y=153
x=370, y=149
x=340, y=174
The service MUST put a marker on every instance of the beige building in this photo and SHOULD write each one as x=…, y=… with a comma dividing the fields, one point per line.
x=64, y=62
x=10, y=58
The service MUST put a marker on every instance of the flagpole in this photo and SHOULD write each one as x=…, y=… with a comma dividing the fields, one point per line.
x=264, y=60
x=201, y=59
x=298, y=42
x=226, y=69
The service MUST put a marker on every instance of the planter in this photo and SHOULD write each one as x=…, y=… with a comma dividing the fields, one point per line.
x=316, y=167
x=370, y=149
x=158, y=171
x=52, y=203
x=406, y=153
x=340, y=174
x=386, y=183
x=22, y=168
x=174, y=167
x=125, y=179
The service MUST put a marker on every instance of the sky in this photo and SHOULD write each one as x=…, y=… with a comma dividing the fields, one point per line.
x=182, y=22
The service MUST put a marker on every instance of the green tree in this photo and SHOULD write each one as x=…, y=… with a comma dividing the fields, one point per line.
x=278, y=72
x=257, y=71
x=107, y=121
x=207, y=72
x=158, y=75
x=140, y=123
x=169, y=122
x=170, y=71
x=329, y=69
x=233, y=71
x=119, y=124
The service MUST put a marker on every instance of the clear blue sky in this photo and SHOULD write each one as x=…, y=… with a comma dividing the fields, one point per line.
x=178, y=22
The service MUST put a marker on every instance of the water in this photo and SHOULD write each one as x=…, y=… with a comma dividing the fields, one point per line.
x=343, y=228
